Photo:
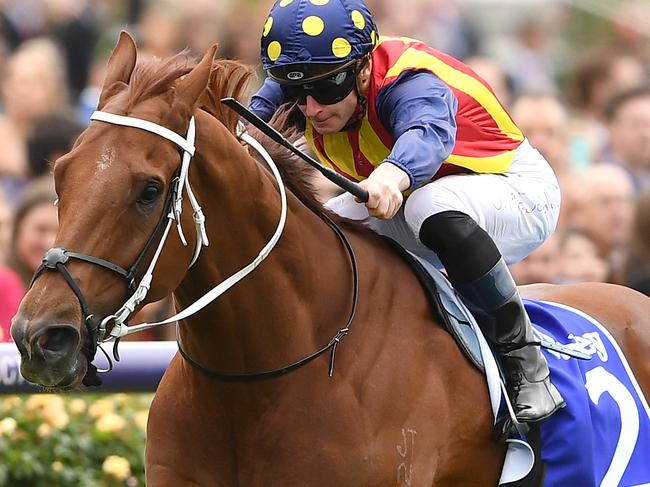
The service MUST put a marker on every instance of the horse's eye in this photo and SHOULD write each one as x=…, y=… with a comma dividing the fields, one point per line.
x=150, y=193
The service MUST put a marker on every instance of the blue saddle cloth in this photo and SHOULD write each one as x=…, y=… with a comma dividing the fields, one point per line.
x=602, y=436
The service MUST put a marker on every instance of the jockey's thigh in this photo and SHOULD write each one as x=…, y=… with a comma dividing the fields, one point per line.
x=396, y=228
x=518, y=209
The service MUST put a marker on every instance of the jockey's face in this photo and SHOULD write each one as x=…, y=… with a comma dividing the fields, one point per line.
x=329, y=119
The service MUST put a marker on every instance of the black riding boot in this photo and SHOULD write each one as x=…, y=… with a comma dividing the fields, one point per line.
x=477, y=271
x=495, y=301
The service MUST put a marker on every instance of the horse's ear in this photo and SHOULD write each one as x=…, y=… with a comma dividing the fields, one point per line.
x=119, y=68
x=190, y=88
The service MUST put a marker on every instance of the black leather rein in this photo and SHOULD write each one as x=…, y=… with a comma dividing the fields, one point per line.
x=331, y=345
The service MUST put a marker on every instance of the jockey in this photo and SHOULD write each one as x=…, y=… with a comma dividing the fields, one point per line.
x=449, y=174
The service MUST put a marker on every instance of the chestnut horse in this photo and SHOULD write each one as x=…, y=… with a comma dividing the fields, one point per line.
x=403, y=407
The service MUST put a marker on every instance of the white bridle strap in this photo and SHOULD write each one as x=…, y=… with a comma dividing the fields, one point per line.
x=120, y=317
x=186, y=145
x=122, y=330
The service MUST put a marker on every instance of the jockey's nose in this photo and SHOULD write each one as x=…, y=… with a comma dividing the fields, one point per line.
x=312, y=108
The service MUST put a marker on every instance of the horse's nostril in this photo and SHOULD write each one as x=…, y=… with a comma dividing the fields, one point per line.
x=56, y=341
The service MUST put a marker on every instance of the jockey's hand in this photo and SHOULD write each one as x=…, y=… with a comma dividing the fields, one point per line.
x=385, y=185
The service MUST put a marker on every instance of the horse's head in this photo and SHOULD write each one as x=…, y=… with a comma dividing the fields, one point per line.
x=115, y=190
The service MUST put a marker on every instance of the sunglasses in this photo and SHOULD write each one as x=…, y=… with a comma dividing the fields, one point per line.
x=326, y=91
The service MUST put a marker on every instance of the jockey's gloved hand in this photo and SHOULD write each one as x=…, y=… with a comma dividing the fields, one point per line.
x=385, y=185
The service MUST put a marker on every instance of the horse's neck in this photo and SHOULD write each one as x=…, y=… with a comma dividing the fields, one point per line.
x=293, y=302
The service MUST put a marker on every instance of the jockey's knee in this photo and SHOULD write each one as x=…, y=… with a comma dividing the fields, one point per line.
x=429, y=200
x=447, y=230
x=465, y=249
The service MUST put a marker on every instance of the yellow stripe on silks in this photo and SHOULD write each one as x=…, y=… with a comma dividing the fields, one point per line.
x=414, y=58
x=371, y=145
x=493, y=164
x=338, y=149
x=309, y=135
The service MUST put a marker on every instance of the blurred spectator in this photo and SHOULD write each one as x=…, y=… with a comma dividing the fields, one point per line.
x=490, y=70
x=11, y=293
x=75, y=26
x=578, y=259
x=599, y=76
x=628, y=121
x=11, y=289
x=631, y=26
x=35, y=228
x=447, y=29
x=605, y=209
x=52, y=136
x=89, y=97
x=201, y=36
x=637, y=265
x=540, y=266
x=543, y=120
x=34, y=85
x=160, y=30
x=21, y=20
x=209, y=19
x=527, y=56
x=571, y=188
x=6, y=219
x=398, y=17
x=439, y=23
x=236, y=44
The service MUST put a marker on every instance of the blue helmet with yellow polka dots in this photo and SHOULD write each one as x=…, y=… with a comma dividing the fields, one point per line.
x=304, y=40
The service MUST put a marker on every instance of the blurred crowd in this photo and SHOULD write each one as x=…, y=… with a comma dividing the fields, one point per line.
x=576, y=83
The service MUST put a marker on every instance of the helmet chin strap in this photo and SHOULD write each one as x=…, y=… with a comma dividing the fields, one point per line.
x=359, y=112
x=360, y=90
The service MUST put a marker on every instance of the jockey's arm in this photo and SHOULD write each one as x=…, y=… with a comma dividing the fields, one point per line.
x=419, y=111
x=267, y=100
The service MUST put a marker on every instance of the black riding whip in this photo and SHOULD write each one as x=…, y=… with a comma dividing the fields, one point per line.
x=276, y=136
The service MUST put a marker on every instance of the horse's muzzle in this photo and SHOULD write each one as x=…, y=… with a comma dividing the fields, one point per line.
x=49, y=352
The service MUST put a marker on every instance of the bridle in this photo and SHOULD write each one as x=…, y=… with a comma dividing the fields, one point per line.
x=56, y=259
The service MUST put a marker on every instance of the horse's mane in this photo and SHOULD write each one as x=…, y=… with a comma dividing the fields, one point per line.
x=228, y=78
x=298, y=175
x=153, y=77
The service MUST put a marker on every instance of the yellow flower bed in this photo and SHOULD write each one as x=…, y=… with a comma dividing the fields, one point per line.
x=73, y=440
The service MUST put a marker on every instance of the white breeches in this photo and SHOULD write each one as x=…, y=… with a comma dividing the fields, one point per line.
x=518, y=209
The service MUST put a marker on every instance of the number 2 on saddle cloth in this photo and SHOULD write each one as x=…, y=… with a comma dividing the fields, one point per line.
x=602, y=436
